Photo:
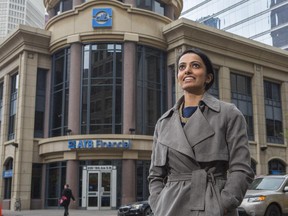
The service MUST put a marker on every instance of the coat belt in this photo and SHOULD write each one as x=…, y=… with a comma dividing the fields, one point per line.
x=199, y=181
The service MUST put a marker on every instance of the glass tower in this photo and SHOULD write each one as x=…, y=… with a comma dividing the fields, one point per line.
x=15, y=12
x=265, y=21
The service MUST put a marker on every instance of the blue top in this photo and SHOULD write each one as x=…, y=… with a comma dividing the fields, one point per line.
x=188, y=111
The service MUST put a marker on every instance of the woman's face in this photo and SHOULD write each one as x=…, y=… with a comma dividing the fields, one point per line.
x=192, y=74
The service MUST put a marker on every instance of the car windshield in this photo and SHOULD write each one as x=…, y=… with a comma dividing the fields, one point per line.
x=266, y=183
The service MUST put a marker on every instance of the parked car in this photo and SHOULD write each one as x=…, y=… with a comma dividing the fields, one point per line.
x=135, y=209
x=267, y=196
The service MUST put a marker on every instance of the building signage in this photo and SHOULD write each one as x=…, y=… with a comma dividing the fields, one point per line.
x=7, y=173
x=102, y=17
x=97, y=168
x=89, y=144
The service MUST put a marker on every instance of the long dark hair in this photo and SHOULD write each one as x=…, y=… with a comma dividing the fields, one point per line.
x=205, y=59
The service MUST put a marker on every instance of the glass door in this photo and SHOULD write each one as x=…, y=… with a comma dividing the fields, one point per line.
x=93, y=190
x=98, y=190
x=105, y=190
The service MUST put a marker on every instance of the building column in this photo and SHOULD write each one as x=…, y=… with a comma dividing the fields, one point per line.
x=224, y=84
x=128, y=181
x=129, y=87
x=169, y=11
x=72, y=178
x=74, y=89
x=259, y=118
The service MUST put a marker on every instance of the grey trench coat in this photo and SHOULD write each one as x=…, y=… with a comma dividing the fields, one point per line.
x=202, y=168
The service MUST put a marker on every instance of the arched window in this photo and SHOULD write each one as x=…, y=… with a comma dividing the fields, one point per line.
x=276, y=167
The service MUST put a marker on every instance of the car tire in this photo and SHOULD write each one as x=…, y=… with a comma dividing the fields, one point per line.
x=273, y=210
x=148, y=212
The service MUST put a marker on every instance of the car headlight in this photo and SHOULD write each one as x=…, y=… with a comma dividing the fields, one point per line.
x=257, y=199
x=137, y=206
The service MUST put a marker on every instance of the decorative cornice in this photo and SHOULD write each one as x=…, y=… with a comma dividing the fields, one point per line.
x=24, y=38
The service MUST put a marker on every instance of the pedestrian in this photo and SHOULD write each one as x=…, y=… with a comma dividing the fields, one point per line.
x=200, y=163
x=67, y=192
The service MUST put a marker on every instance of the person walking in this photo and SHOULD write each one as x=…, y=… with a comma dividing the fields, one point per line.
x=67, y=192
x=200, y=163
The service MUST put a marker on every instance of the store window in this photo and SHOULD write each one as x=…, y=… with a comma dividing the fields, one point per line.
x=151, y=88
x=40, y=103
x=60, y=93
x=7, y=174
x=56, y=179
x=13, y=106
x=241, y=93
x=273, y=113
x=102, y=89
x=276, y=167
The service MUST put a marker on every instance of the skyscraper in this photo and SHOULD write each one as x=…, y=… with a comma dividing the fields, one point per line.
x=265, y=21
x=15, y=12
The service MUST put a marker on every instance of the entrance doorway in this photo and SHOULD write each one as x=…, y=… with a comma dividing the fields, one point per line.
x=99, y=187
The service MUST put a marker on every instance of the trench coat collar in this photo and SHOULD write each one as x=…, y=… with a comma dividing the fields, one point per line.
x=196, y=129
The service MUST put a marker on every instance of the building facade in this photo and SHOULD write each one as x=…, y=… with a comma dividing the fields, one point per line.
x=265, y=21
x=80, y=99
x=15, y=12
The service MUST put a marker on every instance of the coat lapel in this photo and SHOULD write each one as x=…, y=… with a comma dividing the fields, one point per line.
x=174, y=136
x=197, y=128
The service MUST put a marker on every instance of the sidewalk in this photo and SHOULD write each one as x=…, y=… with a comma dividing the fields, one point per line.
x=59, y=212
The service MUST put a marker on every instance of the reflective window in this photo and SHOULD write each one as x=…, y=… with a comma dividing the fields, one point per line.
x=152, y=5
x=36, y=182
x=273, y=113
x=40, y=103
x=141, y=180
x=13, y=106
x=8, y=166
x=253, y=165
x=151, y=88
x=56, y=179
x=241, y=93
x=60, y=92
x=276, y=167
x=102, y=89
x=214, y=89
x=262, y=21
x=63, y=5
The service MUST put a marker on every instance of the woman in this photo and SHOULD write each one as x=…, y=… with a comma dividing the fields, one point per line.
x=200, y=163
x=67, y=192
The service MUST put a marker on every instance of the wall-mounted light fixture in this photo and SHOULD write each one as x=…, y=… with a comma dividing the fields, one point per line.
x=68, y=131
x=132, y=130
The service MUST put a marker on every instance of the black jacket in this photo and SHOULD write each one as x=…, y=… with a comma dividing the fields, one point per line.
x=68, y=193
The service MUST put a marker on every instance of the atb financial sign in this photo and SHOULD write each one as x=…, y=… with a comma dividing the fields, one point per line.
x=98, y=143
x=102, y=17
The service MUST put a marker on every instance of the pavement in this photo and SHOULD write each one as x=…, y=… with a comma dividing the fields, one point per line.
x=59, y=212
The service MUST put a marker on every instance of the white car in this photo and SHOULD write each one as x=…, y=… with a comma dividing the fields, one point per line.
x=267, y=196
